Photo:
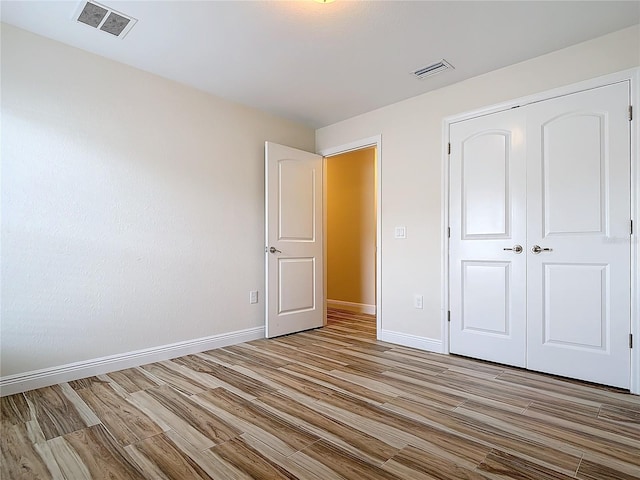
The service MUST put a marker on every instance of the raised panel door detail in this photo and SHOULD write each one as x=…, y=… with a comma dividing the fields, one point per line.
x=576, y=310
x=485, y=297
x=296, y=278
x=296, y=201
x=485, y=185
x=574, y=163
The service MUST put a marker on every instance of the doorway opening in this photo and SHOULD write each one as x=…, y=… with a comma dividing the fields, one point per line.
x=351, y=224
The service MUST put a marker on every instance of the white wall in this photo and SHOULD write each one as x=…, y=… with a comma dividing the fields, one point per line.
x=132, y=207
x=411, y=158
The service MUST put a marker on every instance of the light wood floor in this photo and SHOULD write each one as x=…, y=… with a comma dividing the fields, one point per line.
x=327, y=404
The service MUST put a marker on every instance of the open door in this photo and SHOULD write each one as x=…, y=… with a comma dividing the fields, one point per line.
x=294, y=240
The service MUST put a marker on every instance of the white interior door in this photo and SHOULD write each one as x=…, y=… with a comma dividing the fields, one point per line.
x=578, y=195
x=488, y=232
x=554, y=178
x=293, y=232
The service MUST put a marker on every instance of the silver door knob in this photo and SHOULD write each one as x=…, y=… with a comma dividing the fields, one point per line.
x=537, y=249
x=515, y=249
x=274, y=250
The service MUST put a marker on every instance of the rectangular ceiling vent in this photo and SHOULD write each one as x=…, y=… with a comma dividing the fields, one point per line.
x=432, y=69
x=104, y=19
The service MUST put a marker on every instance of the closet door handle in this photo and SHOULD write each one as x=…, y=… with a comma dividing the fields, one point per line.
x=537, y=249
x=515, y=249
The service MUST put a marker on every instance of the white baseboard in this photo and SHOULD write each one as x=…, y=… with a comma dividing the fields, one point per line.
x=352, y=306
x=22, y=382
x=406, y=340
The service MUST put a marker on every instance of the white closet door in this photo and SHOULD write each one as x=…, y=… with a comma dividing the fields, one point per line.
x=578, y=197
x=487, y=220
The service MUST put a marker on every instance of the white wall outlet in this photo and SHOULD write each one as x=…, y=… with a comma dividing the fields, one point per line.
x=418, y=301
x=253, y=296
x=400, y=232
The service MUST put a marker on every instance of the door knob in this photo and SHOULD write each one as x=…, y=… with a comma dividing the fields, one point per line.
x=537, y=249
x=515, y=249
x=274, y=250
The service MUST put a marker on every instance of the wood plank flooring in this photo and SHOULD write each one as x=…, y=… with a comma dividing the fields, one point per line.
x=332, y=403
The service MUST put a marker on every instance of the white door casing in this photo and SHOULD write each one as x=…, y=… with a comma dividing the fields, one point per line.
x=488, y=299
x=578, y=205
x=294, y=240
x=576, y=150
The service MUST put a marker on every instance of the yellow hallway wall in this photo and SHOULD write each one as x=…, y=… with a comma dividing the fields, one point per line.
x=351, y=231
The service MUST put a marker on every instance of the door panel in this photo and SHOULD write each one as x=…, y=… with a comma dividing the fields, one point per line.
x=485, y=185
x=487, y=216
x=293, y=197
x=296, y=201
x=578, y=197
x=485, y=290
x=574, y=167
x=565, y=300
x=296, y=283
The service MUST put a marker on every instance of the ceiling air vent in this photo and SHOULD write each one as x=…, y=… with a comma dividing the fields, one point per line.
x=432, y=69
x=104, y=18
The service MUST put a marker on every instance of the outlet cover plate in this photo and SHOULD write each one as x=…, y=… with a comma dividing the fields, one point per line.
x=400, y=232
x=418, y=301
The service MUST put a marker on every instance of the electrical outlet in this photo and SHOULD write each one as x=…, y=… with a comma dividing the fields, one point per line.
x=418, y=301
x=253, y=296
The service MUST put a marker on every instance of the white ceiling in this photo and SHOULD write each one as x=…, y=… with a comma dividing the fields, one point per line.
x=319, y=64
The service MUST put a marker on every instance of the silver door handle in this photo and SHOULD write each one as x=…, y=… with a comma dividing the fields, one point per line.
x=537, y=249
x=274, y=250
x=515, y=249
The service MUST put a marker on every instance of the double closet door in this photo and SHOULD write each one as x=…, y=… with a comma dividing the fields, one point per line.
x=540, y=249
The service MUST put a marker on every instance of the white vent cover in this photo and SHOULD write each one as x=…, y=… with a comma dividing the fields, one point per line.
x=104, y=19
x=432, y=69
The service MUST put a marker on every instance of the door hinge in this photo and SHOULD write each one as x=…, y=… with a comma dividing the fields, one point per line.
x=630, y=227
x=630, y=113
x=448, y=232
x=631, y=340
x=448, y=315
x=449, y=149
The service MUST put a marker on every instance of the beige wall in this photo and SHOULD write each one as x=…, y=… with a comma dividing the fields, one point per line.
x=351, y=228
x=132, y=207
x=411, y=160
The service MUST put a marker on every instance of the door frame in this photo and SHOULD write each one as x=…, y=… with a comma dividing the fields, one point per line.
x=375, y=141
x=631, y=75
